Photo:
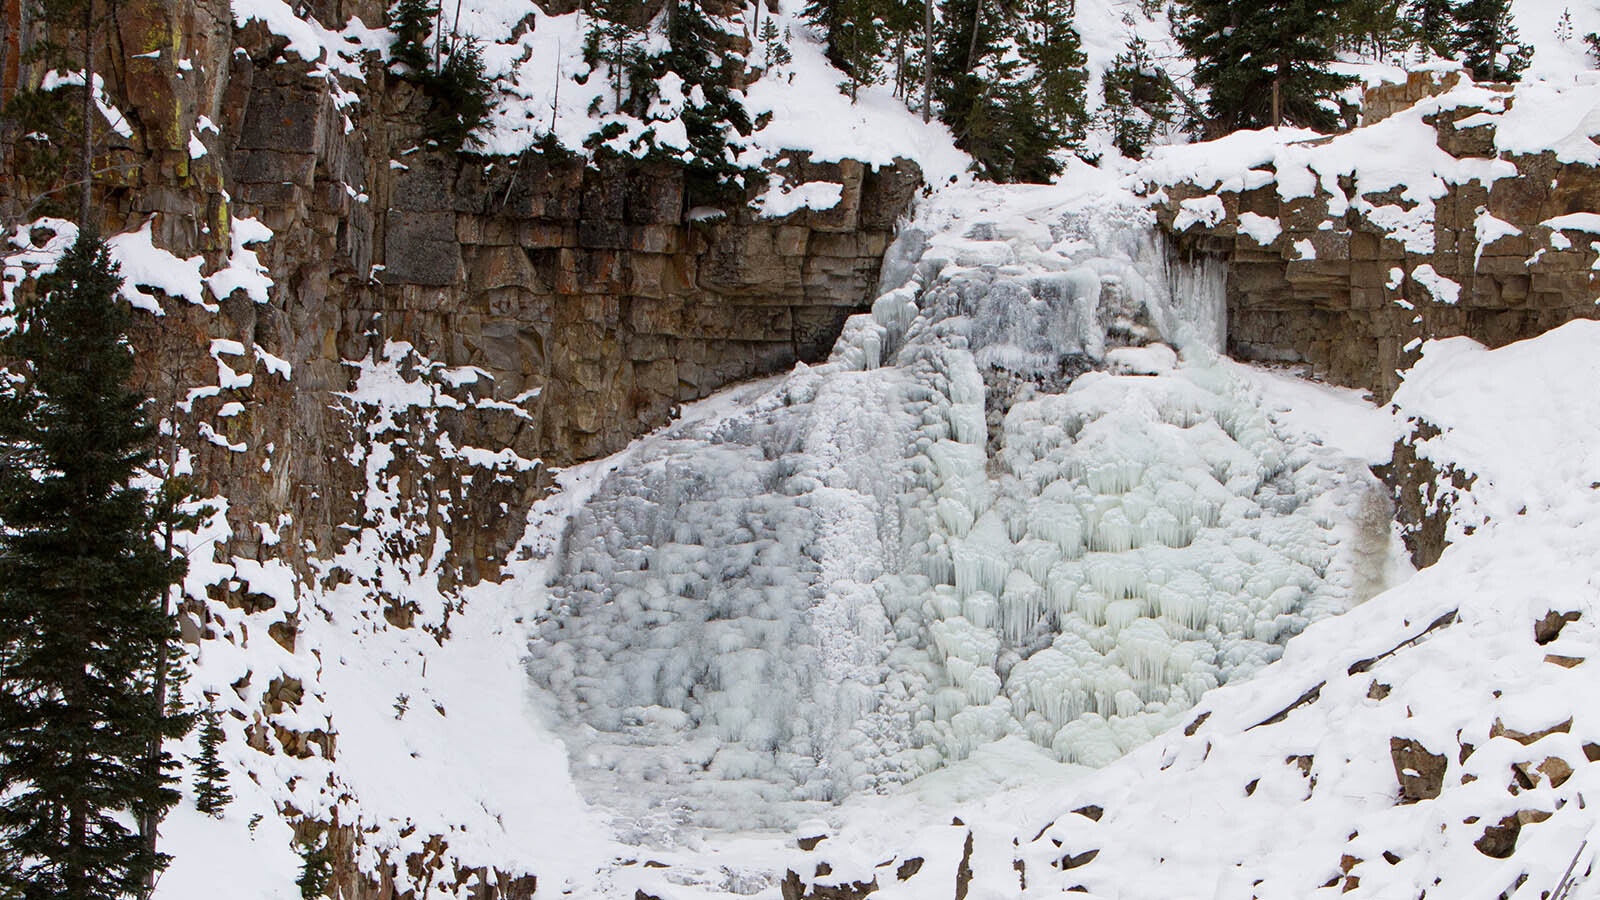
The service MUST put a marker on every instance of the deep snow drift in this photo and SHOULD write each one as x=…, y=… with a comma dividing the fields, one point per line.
x=1003, y=508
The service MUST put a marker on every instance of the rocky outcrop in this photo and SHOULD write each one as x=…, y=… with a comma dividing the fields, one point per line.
x=555, y=308
x=1337, y=284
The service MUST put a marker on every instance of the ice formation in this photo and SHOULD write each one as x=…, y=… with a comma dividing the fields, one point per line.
x=1004, y=507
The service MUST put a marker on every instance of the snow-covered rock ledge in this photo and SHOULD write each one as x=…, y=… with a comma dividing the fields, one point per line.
x=1459, y=210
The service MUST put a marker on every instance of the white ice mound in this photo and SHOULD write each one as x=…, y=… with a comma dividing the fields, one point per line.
x=955, y=531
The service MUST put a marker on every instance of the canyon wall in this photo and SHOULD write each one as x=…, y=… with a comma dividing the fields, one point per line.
x=1338, y=288
x=545, y=309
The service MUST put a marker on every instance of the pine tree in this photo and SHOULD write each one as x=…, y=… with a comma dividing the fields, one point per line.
x=712, y=117
x=211, y=794
x=84, y=626
x=1138, y=99
x=966, y=39
x=452, y=75
x=1486, y=42
x=412, y=24
x=1264, y=63
x=1057, y=79
x=855, y=36
x=1430, y=24
x=1372, y=27
x=316, y=870
x=774, y=46
x=461, y=95
x=612, y=41
x=1010, y=84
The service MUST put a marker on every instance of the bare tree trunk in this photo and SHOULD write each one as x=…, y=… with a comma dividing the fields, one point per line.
x=1277, y=103
x=150, y=820
x=977, y=22
x=927, y=59
x=87, y=152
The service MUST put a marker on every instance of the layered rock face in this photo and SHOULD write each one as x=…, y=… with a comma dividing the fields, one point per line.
x=1348, y=282
x=532, y=311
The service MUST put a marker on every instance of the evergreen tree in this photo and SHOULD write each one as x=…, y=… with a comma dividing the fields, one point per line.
x=412, y=24
x=211, y=792
x=1138, y=99
x=1486, y=42
x=1430, y=24
x=1010, y=81
x=1373, y=26
x=452, y=75
x=855, y=34
x=1056, y=79
x=712, y=117
x=966, y=39
x=461, y=95
x=84, y=625
x=1264, y=63
x=316, y=870
x=774, y=46
x=613, y=41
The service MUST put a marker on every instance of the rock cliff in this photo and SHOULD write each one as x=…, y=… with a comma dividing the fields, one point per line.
x=1346, y=281
x=1336, y=264
x=554, y=307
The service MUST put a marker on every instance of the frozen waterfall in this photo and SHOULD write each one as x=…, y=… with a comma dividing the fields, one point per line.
x=1003, y=507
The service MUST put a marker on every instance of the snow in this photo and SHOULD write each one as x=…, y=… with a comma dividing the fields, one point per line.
x=781, y=200
x=1503, y=416
x=1443, y=289
x=144, y=265
x=1205, y=210
x=1261, y=229
x=244, y=270
x=1589, y=222
x=930, y=579
x=119, y=123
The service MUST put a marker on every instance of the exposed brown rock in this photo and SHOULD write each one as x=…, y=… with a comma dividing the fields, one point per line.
x=1549, y=628
x=1420, y=773
x=1498, y=729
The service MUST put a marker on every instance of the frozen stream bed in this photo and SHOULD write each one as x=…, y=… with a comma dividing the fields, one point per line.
x=1023, y=502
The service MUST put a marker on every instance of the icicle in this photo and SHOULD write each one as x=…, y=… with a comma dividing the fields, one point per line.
x=1113, y=534
x=1023, y=605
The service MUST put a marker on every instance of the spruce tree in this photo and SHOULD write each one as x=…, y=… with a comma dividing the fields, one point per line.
x=1430, y=24
x=211, y=794
x=1486, y=42
x=412, y=24
x=1264, y=62
x=855, y=36
x=84, y=625
x=1139, y=98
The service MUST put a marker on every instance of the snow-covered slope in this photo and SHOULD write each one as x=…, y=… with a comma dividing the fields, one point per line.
x=1405, y=744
